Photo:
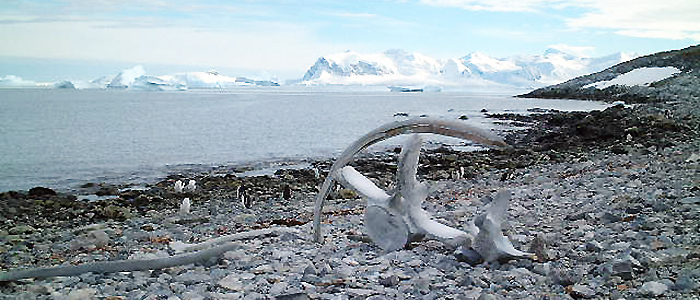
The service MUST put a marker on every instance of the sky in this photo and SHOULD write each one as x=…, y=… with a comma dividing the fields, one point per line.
x=80, y=39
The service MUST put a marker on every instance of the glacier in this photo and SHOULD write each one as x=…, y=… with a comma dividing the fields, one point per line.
x=401, y=68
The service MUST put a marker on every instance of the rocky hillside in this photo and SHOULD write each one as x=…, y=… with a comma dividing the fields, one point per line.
x=684, y=85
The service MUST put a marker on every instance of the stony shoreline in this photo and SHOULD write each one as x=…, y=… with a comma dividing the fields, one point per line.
x=614, y=194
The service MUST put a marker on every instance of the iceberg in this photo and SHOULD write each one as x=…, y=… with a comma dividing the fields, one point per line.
x=136, y=79
x=127, y=77
x=15, y=81
x=64, y=85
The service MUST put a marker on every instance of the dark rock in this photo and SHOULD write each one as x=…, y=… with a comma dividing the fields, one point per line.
x=469, y=256
x=688, y=280
x=609, y=217
x=130, y=194
x=634, y=209
x=41, y=192
x=310, y=278
x=296, y=296
x=579, y=291
x=660, y=206
x=88, y=185
x=467, y=281
x=623, y=268
x=593, y=246
x=619, y=149
x=576, y=216
x=107, y=191
x=391, y=280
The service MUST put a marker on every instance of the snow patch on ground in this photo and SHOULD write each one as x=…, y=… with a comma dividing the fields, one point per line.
x=641, y=76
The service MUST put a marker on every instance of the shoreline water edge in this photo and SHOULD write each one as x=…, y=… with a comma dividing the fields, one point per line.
x=609, y=200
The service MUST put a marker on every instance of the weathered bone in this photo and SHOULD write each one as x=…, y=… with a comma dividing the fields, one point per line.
x=207, y=250
x=419, y=125
x=490, y=242
x=391, y=219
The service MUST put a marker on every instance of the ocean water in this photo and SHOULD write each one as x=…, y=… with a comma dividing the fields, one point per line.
x=64, y=138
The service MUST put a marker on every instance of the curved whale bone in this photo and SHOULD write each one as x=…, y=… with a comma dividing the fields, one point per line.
x=416, y=125
x=391, y=219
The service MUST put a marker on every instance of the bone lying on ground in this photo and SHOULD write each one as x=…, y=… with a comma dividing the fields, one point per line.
x=212, y=248
x=418, y=125
x=490, y=242
x=391, y=219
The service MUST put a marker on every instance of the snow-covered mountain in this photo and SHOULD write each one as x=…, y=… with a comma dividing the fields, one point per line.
x=398, y=67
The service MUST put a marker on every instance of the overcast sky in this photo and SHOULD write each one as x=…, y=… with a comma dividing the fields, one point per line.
x=50, y=39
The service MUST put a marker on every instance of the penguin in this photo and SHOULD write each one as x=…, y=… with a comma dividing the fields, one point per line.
x=286, y=192
x=241, y=194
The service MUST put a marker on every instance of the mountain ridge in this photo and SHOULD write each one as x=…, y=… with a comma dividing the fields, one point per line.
x=683, y=85
x=400, y=67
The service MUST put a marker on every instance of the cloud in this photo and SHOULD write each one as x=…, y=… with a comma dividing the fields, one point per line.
x=580, y=51
x=489, y=5
x=241, y=36
x=375, y=21
x=668, y=19
x=260, y=46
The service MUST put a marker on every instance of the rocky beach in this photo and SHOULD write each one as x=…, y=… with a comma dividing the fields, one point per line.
x=609, y=201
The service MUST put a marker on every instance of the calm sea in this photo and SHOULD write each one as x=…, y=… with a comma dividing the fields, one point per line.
x=64, y=138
